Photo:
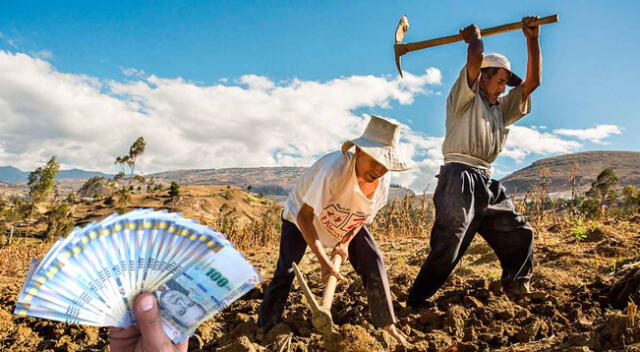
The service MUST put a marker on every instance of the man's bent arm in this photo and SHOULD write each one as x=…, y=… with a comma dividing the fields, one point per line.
x=305, y=223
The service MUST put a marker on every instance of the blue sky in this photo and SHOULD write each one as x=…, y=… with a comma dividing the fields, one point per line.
x=590, y=66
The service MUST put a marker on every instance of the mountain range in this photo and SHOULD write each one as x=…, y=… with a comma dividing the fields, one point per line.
x=10, y=174
x=556, y=171
x=276, y=182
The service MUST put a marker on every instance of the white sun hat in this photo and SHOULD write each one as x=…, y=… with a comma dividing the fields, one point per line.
x=380, y=140
x=500, y=61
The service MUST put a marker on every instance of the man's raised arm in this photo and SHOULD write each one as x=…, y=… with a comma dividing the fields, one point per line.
x=534, y=58
x=475, y=50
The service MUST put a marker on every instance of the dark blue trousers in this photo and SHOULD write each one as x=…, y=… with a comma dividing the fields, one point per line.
x=467, y=202
x=365, y=257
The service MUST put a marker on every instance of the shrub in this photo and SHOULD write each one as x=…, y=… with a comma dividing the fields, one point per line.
x=59, y=221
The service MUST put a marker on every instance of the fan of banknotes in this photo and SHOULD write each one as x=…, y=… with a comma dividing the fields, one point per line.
x=92, y=276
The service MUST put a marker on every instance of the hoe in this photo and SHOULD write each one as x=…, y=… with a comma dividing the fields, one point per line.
x=321, y=318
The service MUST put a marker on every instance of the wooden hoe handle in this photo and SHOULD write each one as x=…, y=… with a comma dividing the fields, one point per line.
x=327, y=298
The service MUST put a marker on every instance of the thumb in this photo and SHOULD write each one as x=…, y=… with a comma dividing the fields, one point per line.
x=150, y=323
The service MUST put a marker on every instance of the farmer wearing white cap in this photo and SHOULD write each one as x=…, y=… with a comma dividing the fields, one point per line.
x=467, y=201
x=330, y=207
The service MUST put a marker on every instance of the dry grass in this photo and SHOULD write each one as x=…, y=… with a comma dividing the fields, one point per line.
x=408, y=217
x=257, y=233
x=411, y=216
x=16, y=255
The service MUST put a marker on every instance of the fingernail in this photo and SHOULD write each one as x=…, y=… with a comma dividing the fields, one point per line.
x=147, y=303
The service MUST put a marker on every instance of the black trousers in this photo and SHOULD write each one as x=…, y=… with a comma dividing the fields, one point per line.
x=365, y=257
x=467, y=202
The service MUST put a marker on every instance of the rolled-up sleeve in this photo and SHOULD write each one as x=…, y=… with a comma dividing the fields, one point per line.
x=461, y=95
x=514, y=106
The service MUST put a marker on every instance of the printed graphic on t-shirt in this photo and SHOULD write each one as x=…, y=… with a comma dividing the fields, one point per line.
x=339, y=221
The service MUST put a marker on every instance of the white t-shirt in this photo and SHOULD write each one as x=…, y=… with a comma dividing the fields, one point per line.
x=330, y=187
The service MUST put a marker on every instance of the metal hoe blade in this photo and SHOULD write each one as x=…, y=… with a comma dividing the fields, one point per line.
x=321, y=318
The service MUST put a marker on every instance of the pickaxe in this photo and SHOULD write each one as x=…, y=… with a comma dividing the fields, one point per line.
x=321, y=318
x=401, y=48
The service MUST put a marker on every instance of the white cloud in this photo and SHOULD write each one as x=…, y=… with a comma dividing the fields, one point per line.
x=595, y=135
x=245, y=122
x=256, y=82
x=10, y=41
x=524, y=141
x=87, y=122
x=43, y=54
x=132, y=72
x=426, y=151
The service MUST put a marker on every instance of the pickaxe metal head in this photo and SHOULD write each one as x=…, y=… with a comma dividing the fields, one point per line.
x=399, y=50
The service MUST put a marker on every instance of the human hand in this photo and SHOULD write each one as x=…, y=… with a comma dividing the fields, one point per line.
x=530, y=32
x=328, y=270
x=147, y=335
x=470, y=32
x=396, y=334
x=341, y=249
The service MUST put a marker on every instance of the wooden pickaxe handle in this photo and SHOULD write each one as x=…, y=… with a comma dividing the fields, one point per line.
x=330, y=290
x=408, y=47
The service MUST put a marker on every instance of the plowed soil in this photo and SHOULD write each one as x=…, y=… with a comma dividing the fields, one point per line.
x=565, y=312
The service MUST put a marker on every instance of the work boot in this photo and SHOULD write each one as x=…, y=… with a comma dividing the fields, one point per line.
x=516, y=288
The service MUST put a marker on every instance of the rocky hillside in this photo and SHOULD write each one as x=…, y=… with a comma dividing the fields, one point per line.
x=272, y=182
x=196, y=202
x=588, y=165
x=266, y=180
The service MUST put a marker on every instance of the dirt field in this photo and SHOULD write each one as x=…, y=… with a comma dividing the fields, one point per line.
x=471, y=312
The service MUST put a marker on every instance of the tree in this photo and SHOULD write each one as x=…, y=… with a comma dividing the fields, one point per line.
x=542, y=195
x=174, y=189
x=150, y=184
x=42, y=180
x=139, y=178
x=123, y=197
x=59, y=221
x=631, y=198
x=574, y=170
x=129, y=160
x=174, y=193
x=602, y=189
x=96, y=187
x=137, y=148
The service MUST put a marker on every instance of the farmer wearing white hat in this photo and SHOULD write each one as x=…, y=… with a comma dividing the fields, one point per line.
x=467, y=201
x=330, y=207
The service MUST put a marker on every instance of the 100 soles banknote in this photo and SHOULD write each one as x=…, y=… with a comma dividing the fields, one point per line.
x=92, y=276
